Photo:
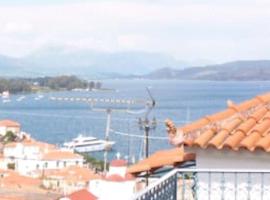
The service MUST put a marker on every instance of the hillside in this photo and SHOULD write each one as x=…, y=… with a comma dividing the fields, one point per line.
x=238, y=70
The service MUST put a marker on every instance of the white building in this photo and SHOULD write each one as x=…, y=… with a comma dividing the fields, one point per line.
x=9, y=125
x=117, y=184
x=29, y=157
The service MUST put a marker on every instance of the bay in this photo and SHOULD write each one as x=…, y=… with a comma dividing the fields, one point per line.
x=182, y=101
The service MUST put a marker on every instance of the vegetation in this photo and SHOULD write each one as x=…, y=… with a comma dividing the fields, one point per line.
x=9, y=137
x=93, y=162
x=11, y=166
x=16, y=85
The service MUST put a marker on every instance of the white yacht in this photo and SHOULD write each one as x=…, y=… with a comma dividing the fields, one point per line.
x=88, y=144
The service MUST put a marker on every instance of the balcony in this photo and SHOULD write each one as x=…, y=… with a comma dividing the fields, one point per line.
x=208, y=184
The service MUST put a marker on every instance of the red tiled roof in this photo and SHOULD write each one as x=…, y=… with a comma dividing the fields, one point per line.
x=118, y=163
x=160, y=159
x=13, y=179
x=58, y=155
x=115, y=178
x=246, y=125
x=9, y=123
x=72, y=174
x=82, y=195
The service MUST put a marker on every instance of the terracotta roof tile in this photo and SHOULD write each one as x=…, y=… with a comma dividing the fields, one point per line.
x=82, y=195
x=160, y=159
x=118, y=163
x=13, y=179
x=58, y=155
x=264, y=143
x=72, y=174
x=204, y=138
x=9, y=123
x=246, y=125
x=233, y=140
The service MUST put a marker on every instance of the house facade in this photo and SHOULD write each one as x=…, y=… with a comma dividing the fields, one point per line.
x=9, y=125
x=117, y=183
x=27, y=157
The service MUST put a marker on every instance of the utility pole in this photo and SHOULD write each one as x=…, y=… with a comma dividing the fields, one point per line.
x=107, y=133
x=146, y=125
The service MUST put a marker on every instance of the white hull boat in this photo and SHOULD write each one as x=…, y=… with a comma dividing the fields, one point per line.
x=84, y=144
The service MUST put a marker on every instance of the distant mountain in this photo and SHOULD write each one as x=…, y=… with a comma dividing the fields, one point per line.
x=57, y=60
x=238, y=70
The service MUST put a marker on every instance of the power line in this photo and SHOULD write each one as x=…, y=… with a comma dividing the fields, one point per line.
x=137, y=135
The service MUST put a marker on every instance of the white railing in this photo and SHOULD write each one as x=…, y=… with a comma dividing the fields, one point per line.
x=209, y=184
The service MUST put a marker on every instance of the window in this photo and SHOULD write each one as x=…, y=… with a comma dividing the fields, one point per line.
x=65, y=163
x=45, y=165
x=37, y=166
x=57, y=164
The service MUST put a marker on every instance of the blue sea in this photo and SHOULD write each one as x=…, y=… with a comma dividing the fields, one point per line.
x=183, y=101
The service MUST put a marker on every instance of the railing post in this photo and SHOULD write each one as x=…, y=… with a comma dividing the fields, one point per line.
x=262, y=185
x=222, y=186
x=235, y=185
x=249, y=185
x=209, y=185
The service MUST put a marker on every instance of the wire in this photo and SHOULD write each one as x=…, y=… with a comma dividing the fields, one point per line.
x=78, y=117
x=137, y=135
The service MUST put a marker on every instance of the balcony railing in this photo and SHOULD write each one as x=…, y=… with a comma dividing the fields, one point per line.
x=208, y=184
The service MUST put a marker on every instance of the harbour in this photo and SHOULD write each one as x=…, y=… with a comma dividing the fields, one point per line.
x=183, y=101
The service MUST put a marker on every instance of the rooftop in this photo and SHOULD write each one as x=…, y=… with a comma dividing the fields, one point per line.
x=13, y=179
x=160, y=159
x=9, y=123
x=58, y=155
x=118, y=163
x=73, y=174
x=82, y=195
x=243, y=126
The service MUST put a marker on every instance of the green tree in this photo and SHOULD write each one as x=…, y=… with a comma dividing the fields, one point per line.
x=9, y=137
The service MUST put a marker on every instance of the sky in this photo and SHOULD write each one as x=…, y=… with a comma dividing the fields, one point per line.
x=215, y=30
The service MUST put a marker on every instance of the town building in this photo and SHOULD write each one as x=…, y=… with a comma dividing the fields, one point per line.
x=9, y=125
x=117, y=183
x=69, y=179
x=28, y=156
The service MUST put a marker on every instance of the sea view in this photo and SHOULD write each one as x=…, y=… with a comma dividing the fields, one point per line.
x=134, y=100
x=182, y=101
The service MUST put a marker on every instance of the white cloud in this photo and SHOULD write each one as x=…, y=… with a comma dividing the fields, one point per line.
x=185, y=29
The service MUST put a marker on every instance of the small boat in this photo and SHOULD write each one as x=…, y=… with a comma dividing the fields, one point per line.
x=6, y=100
x=84, y=144
x=5, y=95
x=39, y=97
x=20, y=98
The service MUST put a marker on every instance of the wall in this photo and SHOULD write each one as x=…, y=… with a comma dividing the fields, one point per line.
x=114, y=190
x=228, y=185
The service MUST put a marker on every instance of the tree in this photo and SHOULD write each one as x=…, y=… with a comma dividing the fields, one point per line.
x=9, y=137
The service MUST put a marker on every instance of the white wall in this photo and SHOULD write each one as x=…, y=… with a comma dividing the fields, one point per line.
x=121, y=171
x=235, y=185
x=4, y=129
x=114, y=190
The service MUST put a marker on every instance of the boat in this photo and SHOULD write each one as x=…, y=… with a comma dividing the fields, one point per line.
x=39, y=97
x=20, y=98
x=5, y=95
x=84, y=144
x=6, y=100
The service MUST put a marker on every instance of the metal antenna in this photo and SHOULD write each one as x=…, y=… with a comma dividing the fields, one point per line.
x=147, y=125
x=108, y=110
